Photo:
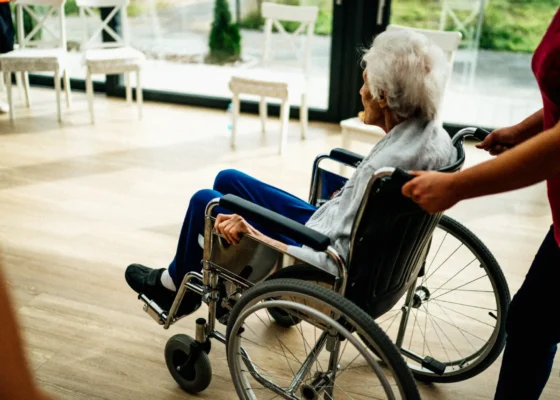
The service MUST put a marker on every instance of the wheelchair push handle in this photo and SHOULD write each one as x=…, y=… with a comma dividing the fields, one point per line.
x=480, y=134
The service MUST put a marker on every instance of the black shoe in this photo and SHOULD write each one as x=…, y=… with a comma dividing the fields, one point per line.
x=147, y=281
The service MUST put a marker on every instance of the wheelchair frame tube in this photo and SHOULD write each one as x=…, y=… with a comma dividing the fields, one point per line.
x=186, y=284
x=342, y=279
x=308, y=363
x=210, y=279
x=315, y=177
x=404, y=319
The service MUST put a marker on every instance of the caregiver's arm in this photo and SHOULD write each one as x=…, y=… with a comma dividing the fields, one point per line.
x=505, y=138
x=528, y=163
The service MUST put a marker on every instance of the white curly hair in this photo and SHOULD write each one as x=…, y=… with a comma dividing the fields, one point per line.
x=410, y=69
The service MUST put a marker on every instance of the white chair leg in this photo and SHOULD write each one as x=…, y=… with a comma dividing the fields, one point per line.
x=128, y=87
x=284, y=122
x=25, y=83
x=139, y=95
x=57, y=89
x=19, y=84
x=234, y=118
x=263, y=114
x=67, y=89
x=303, y=115
x=8, y=80
x=89, y=93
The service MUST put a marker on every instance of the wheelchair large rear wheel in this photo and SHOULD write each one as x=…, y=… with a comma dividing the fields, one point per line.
x=319, y=358
x=458, y=307
x=456, y=312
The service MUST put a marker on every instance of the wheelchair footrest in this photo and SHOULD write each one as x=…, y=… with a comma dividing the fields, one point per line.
x=431, y=364
x=153, y=310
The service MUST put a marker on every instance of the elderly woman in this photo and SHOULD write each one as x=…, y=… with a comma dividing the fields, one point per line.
x=404, y=76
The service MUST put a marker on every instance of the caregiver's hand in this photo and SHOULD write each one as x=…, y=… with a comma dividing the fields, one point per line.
x=433, y=191
x=502, y=139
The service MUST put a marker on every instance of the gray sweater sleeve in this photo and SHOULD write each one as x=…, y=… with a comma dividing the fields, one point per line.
x=318, y=259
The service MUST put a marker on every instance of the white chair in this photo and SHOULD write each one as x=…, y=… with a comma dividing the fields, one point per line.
x=267, y=81
x=355, y=129
x=38, y=55
x=110, y=57
x=467, y=17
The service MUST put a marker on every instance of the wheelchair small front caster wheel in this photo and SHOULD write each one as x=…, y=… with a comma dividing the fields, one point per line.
x=188, y=363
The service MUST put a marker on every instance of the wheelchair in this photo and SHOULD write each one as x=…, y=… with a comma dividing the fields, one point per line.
x=419, y=296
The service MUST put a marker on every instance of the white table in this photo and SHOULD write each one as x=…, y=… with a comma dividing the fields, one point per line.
x=353, y=129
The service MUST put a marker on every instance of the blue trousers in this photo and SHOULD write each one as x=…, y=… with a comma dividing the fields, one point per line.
x=533, y=328
x=6, y=28
x=189, y=253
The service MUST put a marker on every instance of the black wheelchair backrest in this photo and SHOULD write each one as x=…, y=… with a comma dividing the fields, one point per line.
x=391, y=233
x=389, y=242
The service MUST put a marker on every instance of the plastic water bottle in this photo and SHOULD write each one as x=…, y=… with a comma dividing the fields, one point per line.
x=229, y=118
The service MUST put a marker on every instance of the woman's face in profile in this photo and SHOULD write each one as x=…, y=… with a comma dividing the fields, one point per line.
x=373, y=115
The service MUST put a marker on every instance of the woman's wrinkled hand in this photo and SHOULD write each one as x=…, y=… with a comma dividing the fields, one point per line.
x=232, y=227
x=433, y=191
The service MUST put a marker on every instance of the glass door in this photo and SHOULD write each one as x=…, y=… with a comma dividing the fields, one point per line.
x=175, y=34
x=492, y=83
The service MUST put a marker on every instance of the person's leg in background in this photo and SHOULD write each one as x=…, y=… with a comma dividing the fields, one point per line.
x=533, y=328
x=160, y=285
x=6, y=43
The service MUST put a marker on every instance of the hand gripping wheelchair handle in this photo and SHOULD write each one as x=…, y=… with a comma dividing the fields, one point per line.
x=285, y=226
x=480, y=134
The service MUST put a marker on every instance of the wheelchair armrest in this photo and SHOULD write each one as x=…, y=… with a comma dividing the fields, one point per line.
x=300, y=233
x=346, y=157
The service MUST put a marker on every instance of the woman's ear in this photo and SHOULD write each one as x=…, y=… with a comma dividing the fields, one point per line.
x=382, y=99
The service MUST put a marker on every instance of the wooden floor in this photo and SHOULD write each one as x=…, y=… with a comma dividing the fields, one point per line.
x=78, y=203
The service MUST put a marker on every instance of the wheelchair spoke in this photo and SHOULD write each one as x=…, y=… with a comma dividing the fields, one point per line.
x=446, y=282
x=460, y=330
x=413, y=327
x=425, y=330
x=451, y=255
x=423, y=335
x=257, y=344
x=437, y=334
x=456, y=327
x=433, y=259
x=347, y=367
x=465, y=315
x=342, y=352
x=462, y=304
x=392, y=322
x=387, y=319
x=463, y=285
x=280, y=341
x=467, y=290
